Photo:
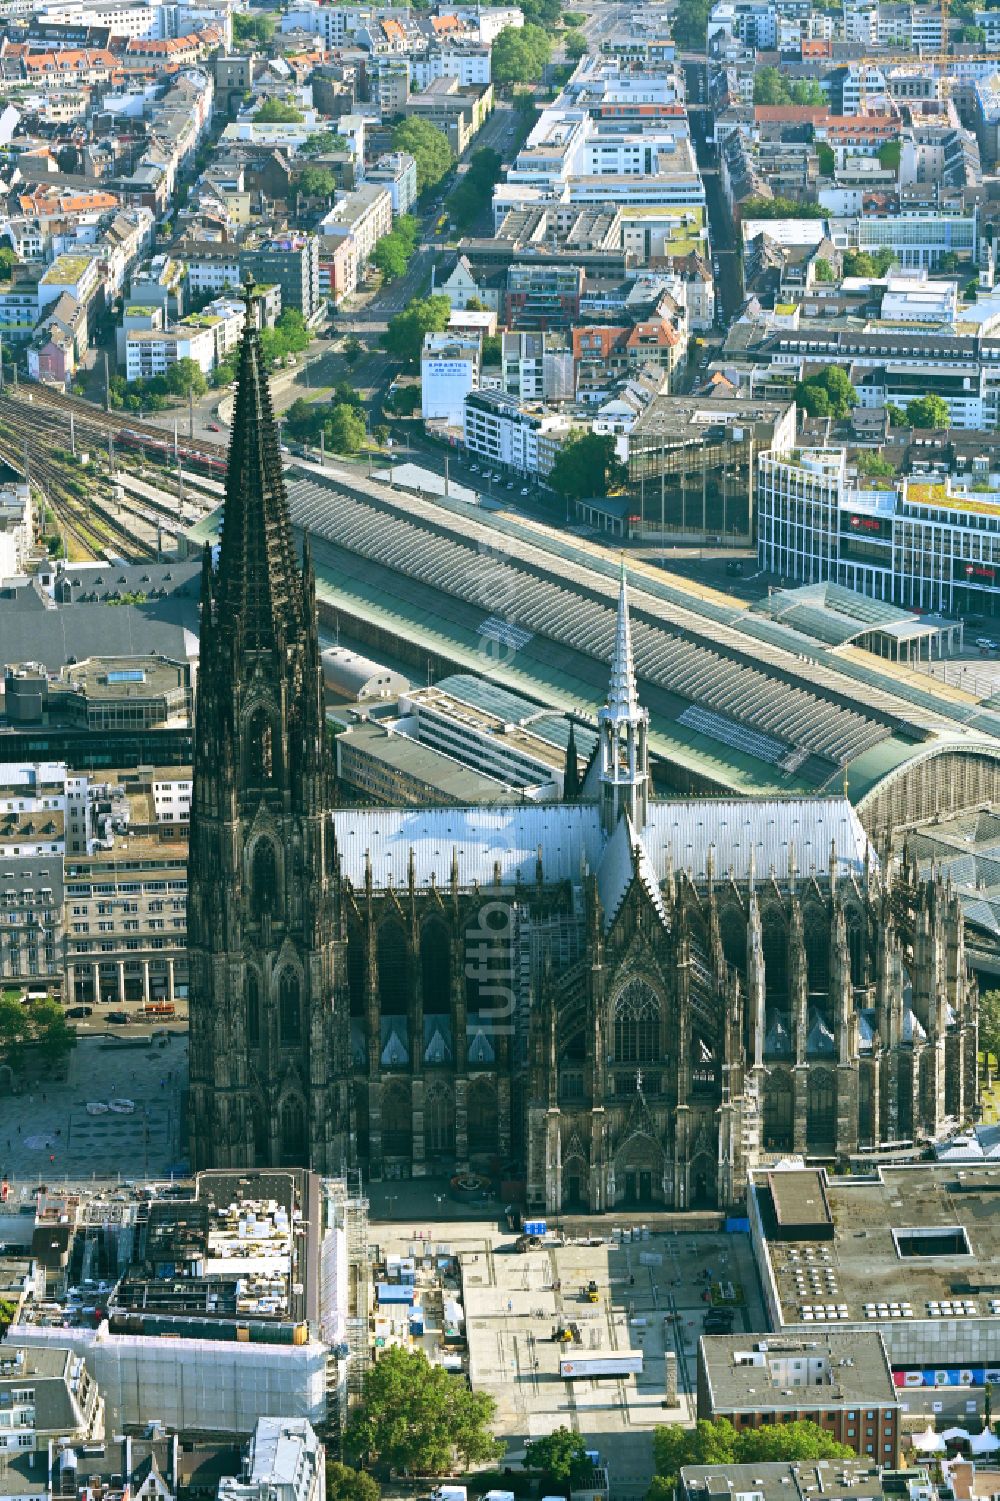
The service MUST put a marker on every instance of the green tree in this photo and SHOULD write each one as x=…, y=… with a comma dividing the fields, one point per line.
x=51, y=1032
x=491, y=352
x=755, y=207
x=895, y=414
x=278, y=112
x=39, y=1026
x=863, y=263
x=574, y=17
x=345, y=429
x=889, y=154
x=826, y=159
x=770, y=88
x=416, y=1417
x=807, y=91
x=381, y=435
x=429, y=148
x=345, y=1484
x=474, y=192
x=828, y=393
x=976, y=35
x=303, y=419
x=574, y=44
x=524, y=102
x=353, y=348
x=15, y=1030
x=586, y=464
x=186, y=378
x=822, y=270
x=520, y=55
x=320, y=142
x=928, y=411
x=872, y=465
x=562, y=1458
x=405, y=335
x=316, y=182
x=690, y=23
x=719, y=1443
x=390, y=256
x=8, y=260
x=252, y=29
x=989, y=1024
x=403, y=401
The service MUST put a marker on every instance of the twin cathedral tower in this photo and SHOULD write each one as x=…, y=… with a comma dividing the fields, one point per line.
x=542, y=990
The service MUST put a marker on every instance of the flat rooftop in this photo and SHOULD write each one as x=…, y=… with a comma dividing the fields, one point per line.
x=847, y=1479
x=909, y=1244
x=749, y=1372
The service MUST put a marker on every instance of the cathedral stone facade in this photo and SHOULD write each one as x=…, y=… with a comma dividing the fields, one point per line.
x=623, y=1000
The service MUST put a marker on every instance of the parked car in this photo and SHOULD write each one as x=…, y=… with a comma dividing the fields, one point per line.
x=118, y=1018
x=77, y=1012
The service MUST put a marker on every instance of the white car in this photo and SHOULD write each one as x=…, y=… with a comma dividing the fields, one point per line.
x=474, y=468
x=510, y=484
x=525, y=490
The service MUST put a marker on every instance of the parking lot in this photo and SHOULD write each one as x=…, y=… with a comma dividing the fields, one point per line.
x=48, y=1136
x=650, y=1298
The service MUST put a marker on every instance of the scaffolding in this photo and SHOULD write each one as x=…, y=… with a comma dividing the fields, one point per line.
x=345, y=1281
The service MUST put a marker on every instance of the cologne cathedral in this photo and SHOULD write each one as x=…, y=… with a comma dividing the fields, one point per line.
x=622, y=1000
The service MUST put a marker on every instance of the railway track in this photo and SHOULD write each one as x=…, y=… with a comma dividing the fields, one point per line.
x=88, y=418
x=88, y=522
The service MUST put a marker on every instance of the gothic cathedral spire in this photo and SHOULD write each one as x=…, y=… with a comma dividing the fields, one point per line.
x=623, y=726
x=267, y=1077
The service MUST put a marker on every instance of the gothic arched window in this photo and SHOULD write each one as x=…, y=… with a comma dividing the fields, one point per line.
x=637, y=1025
x=289, y=1017
x=393, y=970
x=435, y=968
x=821, y=1128
x=265, y=878
x=253, y=1009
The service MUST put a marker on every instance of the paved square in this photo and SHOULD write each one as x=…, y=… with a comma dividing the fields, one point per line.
x=50, y=1119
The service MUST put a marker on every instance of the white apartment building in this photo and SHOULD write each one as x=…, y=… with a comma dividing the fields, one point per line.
x=214, y=269
x=366, y=212
x=449, y=370
x=206, y=337
x=502, y=431
x=537, y=367
x=396, y=171
x=930, y=546
x=752, y=22
x=334, y=23
x=468, y=64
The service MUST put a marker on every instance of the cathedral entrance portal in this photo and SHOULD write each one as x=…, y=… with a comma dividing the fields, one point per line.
x=639, y=1173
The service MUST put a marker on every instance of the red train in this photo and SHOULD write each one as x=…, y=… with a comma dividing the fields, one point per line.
x=193, y=457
